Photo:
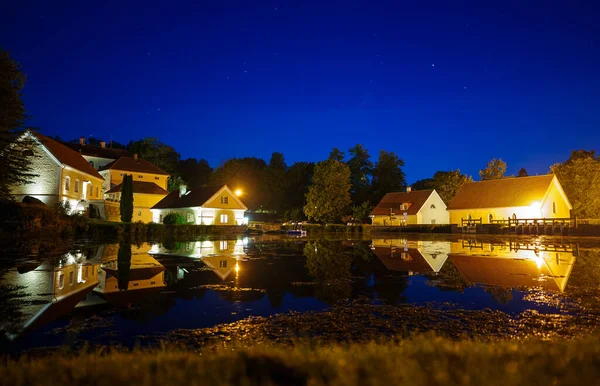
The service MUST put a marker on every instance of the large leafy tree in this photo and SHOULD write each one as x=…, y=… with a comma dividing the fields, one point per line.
x=14, y=168
x=330, y=268
x=361, y=169
x=494, y=170
x=424, y=184
x=126, y=204
x=447, y=183
x=194, y=172
x=580, y=178
x=153, y=150
x=329, y=194
x=388, y=175
x=246, y=174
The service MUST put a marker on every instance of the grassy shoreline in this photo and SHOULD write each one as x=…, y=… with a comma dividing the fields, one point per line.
x=419, y=360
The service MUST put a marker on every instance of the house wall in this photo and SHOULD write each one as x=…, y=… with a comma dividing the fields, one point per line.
x=498, y=213
x=218, y=203
x=93, y=189
x=203, y=216
x=141, y=206
x=396, y=220
x=437, y=215
x=116, y=177
x=44, y=187
x=563, y=208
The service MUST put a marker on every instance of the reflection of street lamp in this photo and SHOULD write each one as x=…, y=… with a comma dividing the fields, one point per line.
x=238, y=192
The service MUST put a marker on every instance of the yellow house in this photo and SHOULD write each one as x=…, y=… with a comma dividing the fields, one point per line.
x=149, y=184
x=410, y=207
x=63, y=174
x=535, y=197
x=206, y=205
x=144, y=272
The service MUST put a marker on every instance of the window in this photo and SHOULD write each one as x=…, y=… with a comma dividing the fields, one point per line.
x=157, y=178
x=67, y=183
x=223, y=264
x=433, y=221
x=190, y=217
x=140, y=176
x=160, y=218
x=553, y=207
x=136, y=284
x=92, y=163
x=223, y=245
x=61, y=280
x=224, y=219
x=27, y=152
x=432, y=206
x=121, y=174
x=71, y=277
x=97, y=192
x=139, y=212
x=76, y=186
x=224, y=200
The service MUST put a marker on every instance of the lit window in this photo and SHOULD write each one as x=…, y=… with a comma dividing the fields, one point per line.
x=140, y=176
x=432, y=206
x=71, y=277
x=76, y=186
x=190, y=217
x=223, y=245
x=224, y=200
x=68, y=183
x=27, y=153
x=223, y=264
x=553, y=207
x=224, y=219
x=61, y=281
x=433, y=221
x=139, y=212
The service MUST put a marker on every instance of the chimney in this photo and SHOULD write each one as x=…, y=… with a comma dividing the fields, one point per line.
x=408, y=189
x=82, y=141
x=135, y=157
x=182, y=190
x=103, y=144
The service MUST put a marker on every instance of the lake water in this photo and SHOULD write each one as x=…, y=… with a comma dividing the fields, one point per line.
x=94, y=291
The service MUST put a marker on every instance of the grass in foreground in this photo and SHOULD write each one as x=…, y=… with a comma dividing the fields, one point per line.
x=422, y=360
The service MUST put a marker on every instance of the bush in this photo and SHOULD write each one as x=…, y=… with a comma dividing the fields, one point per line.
x=174, y=219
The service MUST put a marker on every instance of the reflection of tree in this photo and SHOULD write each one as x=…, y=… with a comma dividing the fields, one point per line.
x=500, y=294
x=123, y=266
x=449, y=279
x=330, y=267
x=584, y=281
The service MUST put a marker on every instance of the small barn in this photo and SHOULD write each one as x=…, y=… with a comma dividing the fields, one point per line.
x=410, y=207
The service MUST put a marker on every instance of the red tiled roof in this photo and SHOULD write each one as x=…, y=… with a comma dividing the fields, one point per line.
x=394, y=261
x=415, y=198
x=141, y=187
x=130, y=164
x=194, y=197
x=66, y=155
x=507, y=192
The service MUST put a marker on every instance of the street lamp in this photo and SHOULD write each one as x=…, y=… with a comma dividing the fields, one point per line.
x=238, y=192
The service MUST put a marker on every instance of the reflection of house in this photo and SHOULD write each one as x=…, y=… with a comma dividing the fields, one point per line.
x=514, y=265
x=149, y=184
x=97, y=156
x=54, y=290
x=410, y=207
x=207, y=205
x=144, y=272
x=523, y=197
x=63, y=174
x=411, y=256
x=222, y=265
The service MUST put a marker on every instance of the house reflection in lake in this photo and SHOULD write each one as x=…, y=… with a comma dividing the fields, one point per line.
x=514, y=264
x=413, y=257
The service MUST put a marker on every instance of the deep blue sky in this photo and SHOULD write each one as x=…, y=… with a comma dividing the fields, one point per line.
x=445, y=84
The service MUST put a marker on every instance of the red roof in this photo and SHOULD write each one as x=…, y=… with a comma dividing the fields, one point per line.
x=415, y=199
x=131, y=164
x=141, y=187
x=66, y=155
x=97, y=151
x=395, y=258
x=194, y=197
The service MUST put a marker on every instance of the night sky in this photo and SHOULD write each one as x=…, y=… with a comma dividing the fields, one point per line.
x=444, y=86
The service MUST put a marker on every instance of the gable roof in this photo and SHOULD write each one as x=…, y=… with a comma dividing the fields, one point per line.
x=141, y=187
x=193, y=198
x=66, y=155
x=393, y=201
x=97, y=151
x=131, y=164
x=507, y=192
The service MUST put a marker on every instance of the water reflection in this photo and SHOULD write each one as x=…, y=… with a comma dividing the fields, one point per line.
x=514, y=264
x=202, y=283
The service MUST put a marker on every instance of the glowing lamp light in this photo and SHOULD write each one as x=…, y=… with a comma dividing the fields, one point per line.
x=237, y=267
x=238, y=192
x=536, y=205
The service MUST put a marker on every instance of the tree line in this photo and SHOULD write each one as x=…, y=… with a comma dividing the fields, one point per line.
x=344, y=184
